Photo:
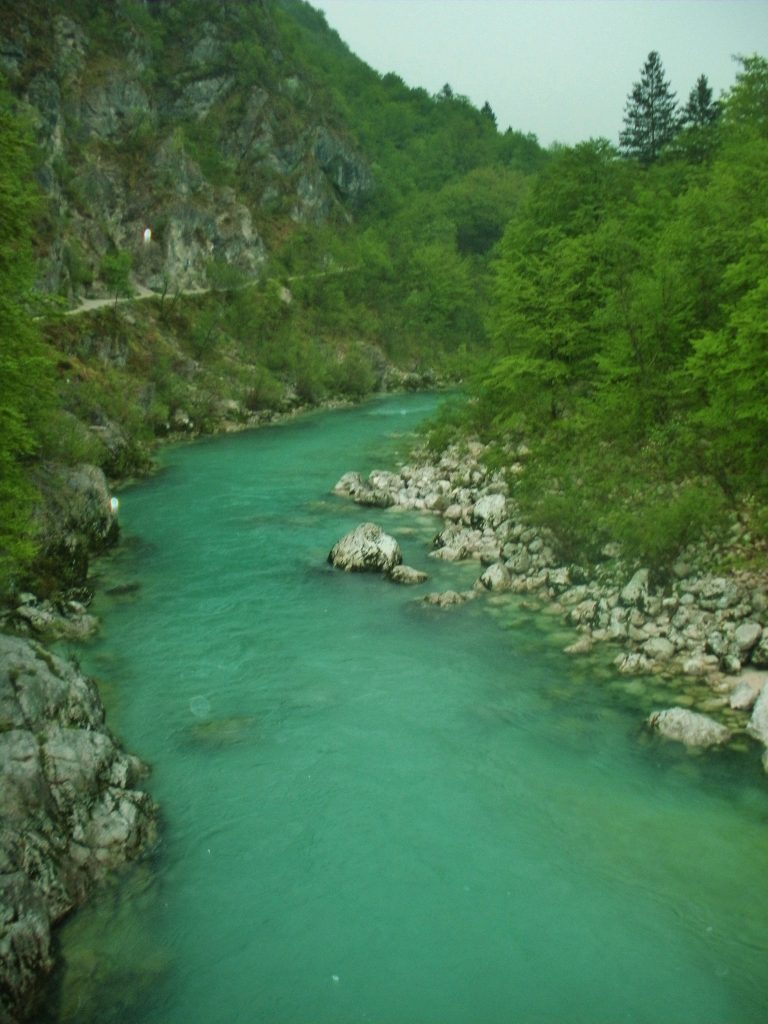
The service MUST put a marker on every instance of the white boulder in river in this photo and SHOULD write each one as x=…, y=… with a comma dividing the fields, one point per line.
x=689, y=727
x=366, y=549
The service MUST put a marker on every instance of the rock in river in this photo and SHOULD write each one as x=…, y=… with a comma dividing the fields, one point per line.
x=407, y=574
x=366, y=549
x=689, y=727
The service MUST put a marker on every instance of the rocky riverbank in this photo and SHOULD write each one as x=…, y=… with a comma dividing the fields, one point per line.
x=704, y=626
x=69, y=808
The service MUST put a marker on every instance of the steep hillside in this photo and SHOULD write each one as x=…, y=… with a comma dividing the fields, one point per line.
x=291, y=222
x=187, y=119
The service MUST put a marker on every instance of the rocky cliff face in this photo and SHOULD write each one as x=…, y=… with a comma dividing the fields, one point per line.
x=69, y=809
x=187, y=121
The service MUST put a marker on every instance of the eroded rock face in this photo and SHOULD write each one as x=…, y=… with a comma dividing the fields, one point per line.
x=69, y=812
x=77, y=521
x=366, y=549
x=689, y=727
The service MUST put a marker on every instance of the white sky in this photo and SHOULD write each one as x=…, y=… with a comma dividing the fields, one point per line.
x=561, y=69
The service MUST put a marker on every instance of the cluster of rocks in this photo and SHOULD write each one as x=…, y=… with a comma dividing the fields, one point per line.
x=50, y=620
x=368, y=548
x=710, y=627
x=69, y=809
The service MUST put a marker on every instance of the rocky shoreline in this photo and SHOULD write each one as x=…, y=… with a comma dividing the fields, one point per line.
x=69, y=806
x=703, y=627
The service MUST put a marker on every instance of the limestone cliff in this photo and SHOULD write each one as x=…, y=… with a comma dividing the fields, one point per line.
x=182, y=134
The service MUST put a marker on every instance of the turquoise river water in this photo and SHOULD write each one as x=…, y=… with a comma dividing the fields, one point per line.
x=375, y=811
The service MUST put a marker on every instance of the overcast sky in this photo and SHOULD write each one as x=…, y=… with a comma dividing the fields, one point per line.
x=561, y=69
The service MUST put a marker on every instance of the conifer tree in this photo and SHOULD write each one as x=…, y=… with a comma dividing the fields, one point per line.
x=487, y=111
x=650, y=116
x=700, y=111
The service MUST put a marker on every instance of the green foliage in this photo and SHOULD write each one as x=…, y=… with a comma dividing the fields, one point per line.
x=659, y=525
x=25, y=369
x=263, y=391
x=115, y=272
x=628, y=327
x=356, y=376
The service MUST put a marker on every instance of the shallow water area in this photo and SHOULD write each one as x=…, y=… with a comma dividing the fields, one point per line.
x=378, y=811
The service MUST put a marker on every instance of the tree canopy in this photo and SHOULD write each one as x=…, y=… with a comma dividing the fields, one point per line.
x=628, y=322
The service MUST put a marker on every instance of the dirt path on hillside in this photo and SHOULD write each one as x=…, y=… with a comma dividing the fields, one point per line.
x=140, y=294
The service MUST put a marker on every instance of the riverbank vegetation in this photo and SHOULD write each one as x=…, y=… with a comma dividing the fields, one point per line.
x=628, y=330
x=606, y=307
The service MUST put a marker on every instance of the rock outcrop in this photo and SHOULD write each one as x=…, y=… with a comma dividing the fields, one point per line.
x=78, y=519
x=366, y=549
x=69, y=809
x=205, y=159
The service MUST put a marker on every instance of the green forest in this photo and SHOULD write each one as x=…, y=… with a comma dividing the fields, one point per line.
x=628, y=329
x=603, y=305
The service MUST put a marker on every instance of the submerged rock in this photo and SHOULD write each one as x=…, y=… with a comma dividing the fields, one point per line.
x=408, y=575
x=449, y=598
x=69, y=811
x=366, y=549
x=689, y=727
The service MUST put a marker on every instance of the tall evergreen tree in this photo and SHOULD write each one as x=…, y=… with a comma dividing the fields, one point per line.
x=700, y=111
x=699, y=136
x=650, y=116
x=487, y=111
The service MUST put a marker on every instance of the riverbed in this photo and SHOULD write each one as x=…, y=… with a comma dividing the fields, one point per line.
x=375, y=811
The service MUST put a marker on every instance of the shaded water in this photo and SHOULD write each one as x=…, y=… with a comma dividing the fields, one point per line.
x=376, y=811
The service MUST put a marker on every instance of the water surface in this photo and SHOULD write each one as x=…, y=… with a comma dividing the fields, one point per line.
x=379, y=812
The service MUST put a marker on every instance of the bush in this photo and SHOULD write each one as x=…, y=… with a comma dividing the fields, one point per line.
x=653, y=531
x=264, y=391
x=355, y=376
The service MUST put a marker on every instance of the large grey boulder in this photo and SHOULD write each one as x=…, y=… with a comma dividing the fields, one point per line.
x=490, y=510
x=365, y=492
x=658, y=648
x=69, y=812
x=689, y=727
x=746, y=690
x=746, y=636
x=496, y=577
x=636, y=591
x=366, y=549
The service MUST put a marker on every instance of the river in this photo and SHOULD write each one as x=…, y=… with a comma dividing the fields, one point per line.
x=375, y=811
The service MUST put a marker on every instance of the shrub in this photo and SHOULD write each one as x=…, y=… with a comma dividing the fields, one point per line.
x=654, y=530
